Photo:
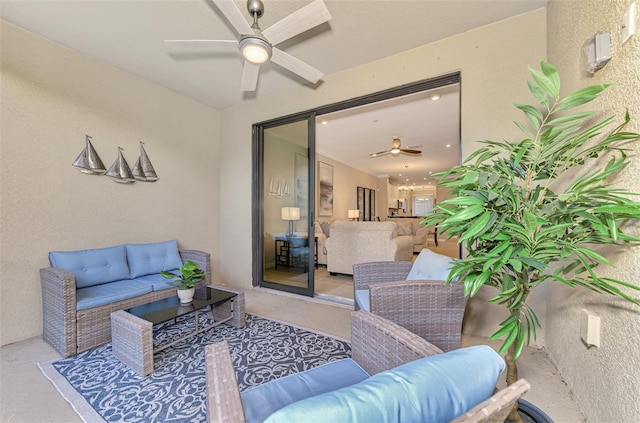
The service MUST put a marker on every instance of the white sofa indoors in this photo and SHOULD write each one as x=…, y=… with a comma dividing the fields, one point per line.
x=361, y=242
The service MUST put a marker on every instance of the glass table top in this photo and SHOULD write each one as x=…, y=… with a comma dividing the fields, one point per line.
x=161, y=311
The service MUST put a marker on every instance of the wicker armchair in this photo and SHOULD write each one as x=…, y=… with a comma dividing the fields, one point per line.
x=430, y=309
x=376, y=345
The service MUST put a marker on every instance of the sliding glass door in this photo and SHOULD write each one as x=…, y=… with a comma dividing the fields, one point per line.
x=286, y=240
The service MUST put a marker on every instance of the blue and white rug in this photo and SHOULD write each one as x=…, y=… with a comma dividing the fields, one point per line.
x=101, y=388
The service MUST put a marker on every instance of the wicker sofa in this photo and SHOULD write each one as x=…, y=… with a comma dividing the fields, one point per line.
x=393, y=375
x=82, y=288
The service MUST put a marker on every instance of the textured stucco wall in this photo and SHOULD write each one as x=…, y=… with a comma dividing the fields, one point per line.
x=50, y=98
x=605, y=381
x=493, y=62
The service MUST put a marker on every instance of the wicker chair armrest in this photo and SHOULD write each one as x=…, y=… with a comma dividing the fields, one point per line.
x=381, y=271
x=378, y=344
x=428, y=308
x=223, y=396
x=59, y=309
x=497, y=407
x=203, y=259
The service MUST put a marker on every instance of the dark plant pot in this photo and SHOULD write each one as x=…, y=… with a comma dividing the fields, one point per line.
x=532, y=414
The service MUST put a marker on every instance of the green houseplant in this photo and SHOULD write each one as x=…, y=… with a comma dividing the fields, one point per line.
x=190, y=274
x=533, y=210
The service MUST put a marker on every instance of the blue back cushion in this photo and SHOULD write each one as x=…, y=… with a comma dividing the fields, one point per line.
x=93, y=267
x=261, y=401
x=147, y=259
x=431, y=389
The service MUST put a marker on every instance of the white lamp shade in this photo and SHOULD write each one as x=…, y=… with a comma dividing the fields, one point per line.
x=353, y=214
x=291, y=213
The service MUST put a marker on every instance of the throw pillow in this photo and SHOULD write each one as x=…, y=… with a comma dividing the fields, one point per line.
x=325, y=228
x=430, y=266
x=404, y=228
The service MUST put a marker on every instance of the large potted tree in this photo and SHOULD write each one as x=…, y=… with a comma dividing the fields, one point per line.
x=535, y=210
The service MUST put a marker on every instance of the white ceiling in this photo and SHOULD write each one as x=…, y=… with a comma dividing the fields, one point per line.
x=130, y=34
x=421, y=123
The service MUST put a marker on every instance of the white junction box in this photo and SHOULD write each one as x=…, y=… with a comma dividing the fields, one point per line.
x=628, y=23
x=590, y=328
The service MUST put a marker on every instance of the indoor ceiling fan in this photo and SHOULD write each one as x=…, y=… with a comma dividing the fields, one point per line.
x=395, y=149
x=257, y=46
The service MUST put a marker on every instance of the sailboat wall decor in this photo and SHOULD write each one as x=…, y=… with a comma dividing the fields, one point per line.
x=143, y=169
x=120, y=171
x=88, y=161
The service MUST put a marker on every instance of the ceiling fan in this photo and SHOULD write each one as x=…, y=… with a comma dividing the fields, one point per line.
x=395, y=149
x=257, y=46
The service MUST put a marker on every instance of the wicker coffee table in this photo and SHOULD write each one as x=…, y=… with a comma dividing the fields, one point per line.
x=132, y=329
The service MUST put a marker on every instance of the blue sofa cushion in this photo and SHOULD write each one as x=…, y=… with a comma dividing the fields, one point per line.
x=157, y=281
x=430, y=266
x=362, y=299
x=147, y=259
x=95, y=296
x=261, y=401
x=93, y=267
x=432, y=389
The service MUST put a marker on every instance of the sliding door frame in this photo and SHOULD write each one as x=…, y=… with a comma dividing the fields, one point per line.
x=311, y=115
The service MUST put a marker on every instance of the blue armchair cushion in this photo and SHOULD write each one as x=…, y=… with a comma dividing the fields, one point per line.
x=430, y=266
x=261, y=401
x=147, y=259
x=432, y=389
x=93, y=267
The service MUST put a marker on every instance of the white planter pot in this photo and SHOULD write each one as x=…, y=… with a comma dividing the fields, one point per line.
x=186, y=295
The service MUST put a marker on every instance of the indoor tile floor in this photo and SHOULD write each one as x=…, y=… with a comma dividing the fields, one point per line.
x=27, y=396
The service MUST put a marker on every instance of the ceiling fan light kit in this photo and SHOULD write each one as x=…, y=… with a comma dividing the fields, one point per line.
x=255, y=49
x=256, y=46
x=395, y=150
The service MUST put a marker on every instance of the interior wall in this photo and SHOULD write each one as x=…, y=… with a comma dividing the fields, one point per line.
x=605, y=380
x=50, y=98
x=346, y=180
x=493, y=63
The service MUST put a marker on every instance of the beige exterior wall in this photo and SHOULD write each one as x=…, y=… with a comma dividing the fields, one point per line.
x=50, y=98
x=606, y=380
x=493, y=63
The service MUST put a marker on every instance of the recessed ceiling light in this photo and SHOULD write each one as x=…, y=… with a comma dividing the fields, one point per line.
x=448, y=145
x=435, y=97
x=324, y=122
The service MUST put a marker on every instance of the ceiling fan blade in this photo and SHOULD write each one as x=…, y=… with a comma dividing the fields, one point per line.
x=407, y=151
x=296, y=65
x=249, y=76
x=301, y=20
x=200, y=46
x=379, y=153
x=234, y=16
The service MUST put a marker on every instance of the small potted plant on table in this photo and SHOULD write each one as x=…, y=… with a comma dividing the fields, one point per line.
x=190, y=274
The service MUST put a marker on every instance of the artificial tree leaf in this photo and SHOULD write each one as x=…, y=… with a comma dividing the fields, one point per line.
x=538, y=94
x=544, y=83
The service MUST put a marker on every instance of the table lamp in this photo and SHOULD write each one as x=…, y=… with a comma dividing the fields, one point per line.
x=353, y=214
x=290, y=214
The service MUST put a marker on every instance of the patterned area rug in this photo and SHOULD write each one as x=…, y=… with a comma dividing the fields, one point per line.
x=101, y=388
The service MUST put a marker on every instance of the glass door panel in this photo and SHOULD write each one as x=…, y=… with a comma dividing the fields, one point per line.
x=288, y=244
